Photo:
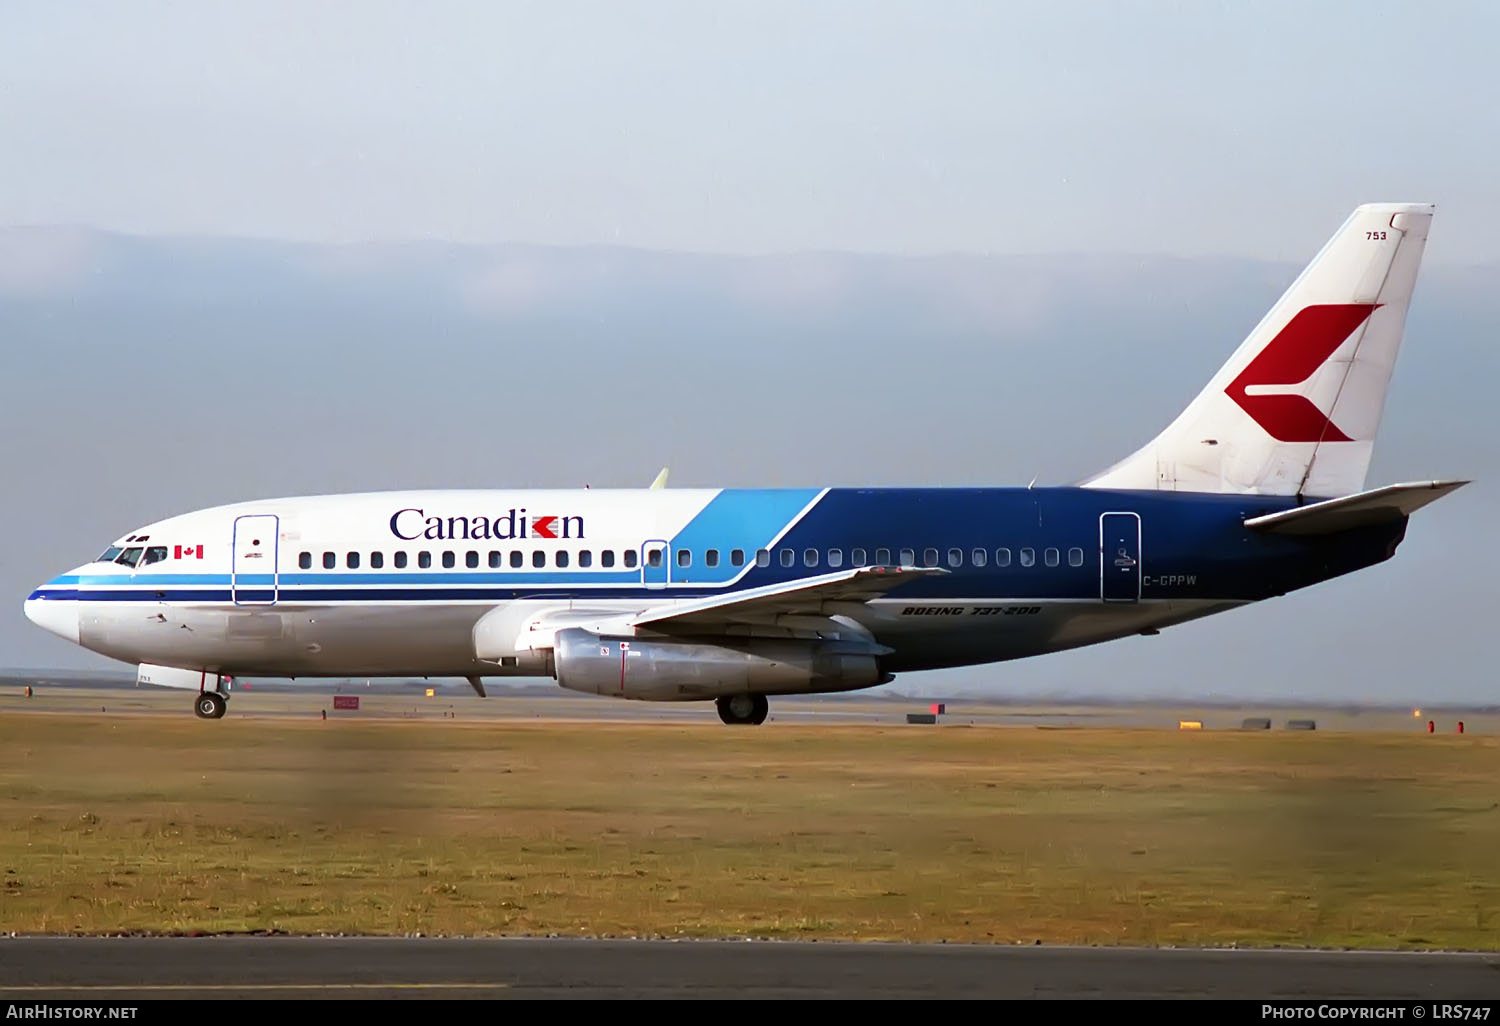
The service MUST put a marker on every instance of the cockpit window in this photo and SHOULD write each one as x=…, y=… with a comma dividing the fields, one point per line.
x=154, y=554
x=130, y=556
x=109, y=554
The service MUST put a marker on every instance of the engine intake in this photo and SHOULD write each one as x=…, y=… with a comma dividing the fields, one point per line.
x=679, y=671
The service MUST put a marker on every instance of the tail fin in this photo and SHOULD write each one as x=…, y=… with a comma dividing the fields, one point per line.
x=1295, y=410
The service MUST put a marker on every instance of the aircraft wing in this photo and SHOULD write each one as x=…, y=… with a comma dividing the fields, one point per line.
x=1380, y=505
x=802, y=597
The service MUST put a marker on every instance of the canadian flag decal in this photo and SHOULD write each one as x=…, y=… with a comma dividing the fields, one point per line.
x=187, y=551
x=1291, y=358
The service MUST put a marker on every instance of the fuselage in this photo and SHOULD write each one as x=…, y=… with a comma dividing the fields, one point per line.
x=733, y=595
x=394, y=583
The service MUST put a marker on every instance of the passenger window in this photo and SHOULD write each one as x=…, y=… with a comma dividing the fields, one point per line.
x=377, y=560
x=471, y=560
x=401, y=560
x=856, y=557
x=653, y=558
x=882, y=557
x=978, y=557
x=351, y=560
x=330, y=561
x=538, y=558
x=763, y=557
x=1075, y=557
x=737, y=557
x=1028, y=557
x=809, y=557
x=516, y=559
x=684, y=557
x=562, y=558
x=495, y=561
x=955, y=557
x=711, y=557
x=908, y=557
x=835, y=557
x=607, y=558
x=788, y=557
x=448, y=560
x=1002, y=557
x=1051, y=556
x=585, y=558
x=304, y=561
x=630, y=559
x=424, y=560
x=929, y=557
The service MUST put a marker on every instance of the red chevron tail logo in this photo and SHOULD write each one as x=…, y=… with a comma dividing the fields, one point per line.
x=1293, y=356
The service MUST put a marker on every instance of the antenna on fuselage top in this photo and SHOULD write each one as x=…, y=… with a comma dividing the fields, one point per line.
x=1032, y=485
x=661, y=480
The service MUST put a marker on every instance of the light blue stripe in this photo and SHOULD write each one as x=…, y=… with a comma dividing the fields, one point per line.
x=146, y=582
x=745, y=519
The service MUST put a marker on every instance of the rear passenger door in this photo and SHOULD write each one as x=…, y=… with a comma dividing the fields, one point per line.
x=1120, y=557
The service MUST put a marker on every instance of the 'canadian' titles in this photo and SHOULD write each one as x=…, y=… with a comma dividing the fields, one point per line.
x=410, y=524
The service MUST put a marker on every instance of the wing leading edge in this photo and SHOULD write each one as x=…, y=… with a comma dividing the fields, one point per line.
x=791, y=598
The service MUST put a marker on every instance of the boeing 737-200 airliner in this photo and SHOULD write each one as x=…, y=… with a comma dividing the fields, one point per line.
x=733, y=595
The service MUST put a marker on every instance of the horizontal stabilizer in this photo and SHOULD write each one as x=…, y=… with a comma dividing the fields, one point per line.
x=858, y=584
x=1380, y=505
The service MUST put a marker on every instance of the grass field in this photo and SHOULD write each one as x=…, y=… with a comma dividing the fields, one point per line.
x=922, y=833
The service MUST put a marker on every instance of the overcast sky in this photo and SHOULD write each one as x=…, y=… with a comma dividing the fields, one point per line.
x=150, y=376
x=755, y=126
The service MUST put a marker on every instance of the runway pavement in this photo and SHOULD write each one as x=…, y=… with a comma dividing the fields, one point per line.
x=537, y=704
x=43, y=968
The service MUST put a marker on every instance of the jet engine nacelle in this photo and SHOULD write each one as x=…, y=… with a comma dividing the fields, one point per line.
x=680, y=671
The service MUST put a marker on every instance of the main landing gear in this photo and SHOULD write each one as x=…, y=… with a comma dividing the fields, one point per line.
x=749, y=709
x=210, y=705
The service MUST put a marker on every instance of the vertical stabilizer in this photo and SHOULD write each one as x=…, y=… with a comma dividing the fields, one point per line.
x=1296, y=408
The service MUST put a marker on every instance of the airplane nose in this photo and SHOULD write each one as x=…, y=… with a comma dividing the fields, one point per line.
x=60, y=616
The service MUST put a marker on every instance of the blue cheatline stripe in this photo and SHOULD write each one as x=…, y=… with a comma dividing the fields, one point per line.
x=286, y=596
x=569, y=577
